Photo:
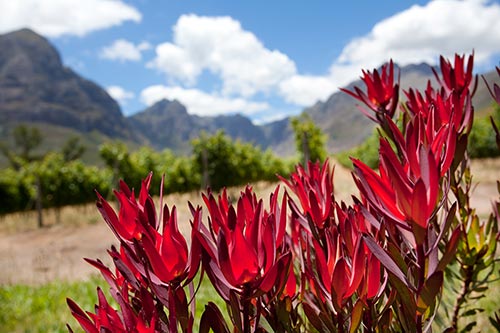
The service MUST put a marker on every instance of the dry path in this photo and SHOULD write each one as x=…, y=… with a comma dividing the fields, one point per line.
x=30, y=255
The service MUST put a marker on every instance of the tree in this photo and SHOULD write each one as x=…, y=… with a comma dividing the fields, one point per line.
x=73, y=149
x=27, y=139
x=309, y=139
x=116, y=156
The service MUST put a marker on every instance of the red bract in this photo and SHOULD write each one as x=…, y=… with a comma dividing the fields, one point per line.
x=338, y=276
x=168, y=259
x=404, y=192
x=381, y=95
x=495, y=93
x=168, y=251
x=456, y=77
x=314, y=189
x=107, y=319
x=135, y=218
x=244, y=245
x=441, y=109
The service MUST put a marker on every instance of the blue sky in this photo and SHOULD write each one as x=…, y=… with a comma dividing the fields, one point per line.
x=265, y=59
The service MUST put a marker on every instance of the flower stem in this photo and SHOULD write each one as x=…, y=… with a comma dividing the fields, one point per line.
x=421, y=281
x=246, y=312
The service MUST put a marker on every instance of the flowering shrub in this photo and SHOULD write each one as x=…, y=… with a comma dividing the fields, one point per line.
x=305, y=262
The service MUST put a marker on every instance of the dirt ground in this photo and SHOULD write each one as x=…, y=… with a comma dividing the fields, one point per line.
x=30, y=255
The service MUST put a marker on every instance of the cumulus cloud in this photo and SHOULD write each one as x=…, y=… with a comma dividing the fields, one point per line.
x=421, y=34
x=244, y=66
x=54, y=18
x=306, y=90
x=200, y=103
x=123, y=50
x=119, y=94
x=221, y=46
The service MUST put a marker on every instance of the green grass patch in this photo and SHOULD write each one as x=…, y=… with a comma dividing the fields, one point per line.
x=37, y=309
x=42, y=309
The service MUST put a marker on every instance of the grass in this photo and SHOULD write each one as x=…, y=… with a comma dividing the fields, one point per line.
x=37, y=309
x=42, y=308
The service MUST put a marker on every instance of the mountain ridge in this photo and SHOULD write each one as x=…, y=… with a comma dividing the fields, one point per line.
x=36, y=88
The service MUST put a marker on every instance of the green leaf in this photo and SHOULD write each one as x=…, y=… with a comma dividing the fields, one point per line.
x=356, y=316
x=431, y=288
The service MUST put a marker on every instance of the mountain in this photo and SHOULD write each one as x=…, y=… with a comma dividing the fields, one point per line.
x=36, y=88
x=167, y=124
x=344, y=124
x=342, y=121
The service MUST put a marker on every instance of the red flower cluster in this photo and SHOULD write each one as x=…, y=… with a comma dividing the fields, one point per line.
x=246, y=231
x=378, y=262
x=382, y=93
x=107, y=319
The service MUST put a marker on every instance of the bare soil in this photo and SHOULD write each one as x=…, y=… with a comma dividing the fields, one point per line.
x=29, y=255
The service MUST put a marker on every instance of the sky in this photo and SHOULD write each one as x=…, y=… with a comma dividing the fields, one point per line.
x=263, y=59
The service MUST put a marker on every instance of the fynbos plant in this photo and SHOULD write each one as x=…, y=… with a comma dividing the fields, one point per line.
x=305, y=262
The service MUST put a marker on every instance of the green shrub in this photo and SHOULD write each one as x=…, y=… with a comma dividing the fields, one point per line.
x=367, y=152
x=482, y=141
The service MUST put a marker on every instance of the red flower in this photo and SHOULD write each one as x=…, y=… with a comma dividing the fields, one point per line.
x=245, y=245
x=163, y=255
x=107, y=319
x=381, y=95
x=135, y=218
x=338, y=276
x=495, y=93
x=456, y=78
x=406, y=192
x=314, y=189
x=168, y=251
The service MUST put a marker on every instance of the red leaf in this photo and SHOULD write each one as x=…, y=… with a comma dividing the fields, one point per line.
x=81, y=317
x=373, y=277
x=419, y=206
x=242, y=270
x=451, y=248
x=357, y=270
x=212, y=319
x=385, y=259
x=340, y=281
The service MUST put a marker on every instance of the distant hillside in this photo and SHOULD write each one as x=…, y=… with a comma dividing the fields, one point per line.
x=167, y=124
x=37, y=89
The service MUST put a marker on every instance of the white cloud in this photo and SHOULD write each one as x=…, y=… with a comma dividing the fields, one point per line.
x=306, y=90
x=221, y=46
x=124, y=50
x=200, y=103
x=54, y=18
x=243, y=64
x=119, y=94
x=421, y=34
x=270, y=117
